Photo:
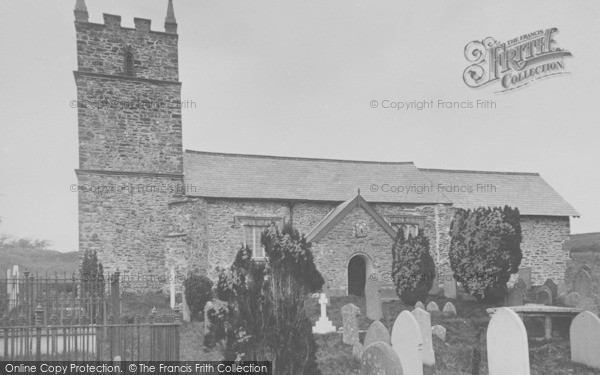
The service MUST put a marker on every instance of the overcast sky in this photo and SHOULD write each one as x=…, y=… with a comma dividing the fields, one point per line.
x=297, y=79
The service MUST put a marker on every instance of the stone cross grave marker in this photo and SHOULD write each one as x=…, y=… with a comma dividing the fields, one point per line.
x=424, y=320
x=377, y=333
x=350, y=314
x=515, y=297
x=373, y=298
x=507, y=347
x=323, y=325
x=407, y=341
x=525, y=274
x=380, y=359
x=585, y=339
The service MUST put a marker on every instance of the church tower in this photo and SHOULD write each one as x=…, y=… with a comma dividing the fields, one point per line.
x=130, y=140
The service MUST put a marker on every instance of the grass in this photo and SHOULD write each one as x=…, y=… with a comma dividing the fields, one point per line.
x=453, y=357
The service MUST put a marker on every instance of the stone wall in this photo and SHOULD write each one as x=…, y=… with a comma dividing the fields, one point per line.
x=307, y=215
x=126, y=222
x=333, y=252
x=542, y=247
x=101, y=49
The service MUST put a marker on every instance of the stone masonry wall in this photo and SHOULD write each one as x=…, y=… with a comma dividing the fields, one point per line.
x=225, y=234
x=128, y=125
x=125, y=219
x=333, y=252
x=101, y=49
x=542, y=247
x=308, y=215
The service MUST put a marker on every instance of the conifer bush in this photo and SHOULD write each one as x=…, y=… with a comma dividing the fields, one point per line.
x=485, y=250
x=198, y=291
x=259, y=311
x=413, y=268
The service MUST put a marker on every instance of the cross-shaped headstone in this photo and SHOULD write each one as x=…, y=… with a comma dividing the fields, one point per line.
x=323, y=325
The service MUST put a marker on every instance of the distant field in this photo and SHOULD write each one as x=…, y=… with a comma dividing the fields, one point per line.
x=584, y=242
x=37, y=260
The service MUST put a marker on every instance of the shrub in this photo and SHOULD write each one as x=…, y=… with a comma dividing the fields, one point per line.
x=413, y=268
x=198, y=291
x=260, y=312
x=485, y=250
x=91, y=273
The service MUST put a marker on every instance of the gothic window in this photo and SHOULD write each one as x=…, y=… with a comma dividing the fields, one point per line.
x=128, y=62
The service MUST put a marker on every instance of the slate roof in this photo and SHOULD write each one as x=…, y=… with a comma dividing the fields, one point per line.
x=527, y=191
x=220, y=175
x=269, y=177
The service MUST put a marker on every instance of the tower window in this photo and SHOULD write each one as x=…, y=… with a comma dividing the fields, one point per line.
x=128, y=62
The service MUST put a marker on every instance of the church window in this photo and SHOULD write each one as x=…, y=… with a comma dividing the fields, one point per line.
x=252, y=240
x=128, y=62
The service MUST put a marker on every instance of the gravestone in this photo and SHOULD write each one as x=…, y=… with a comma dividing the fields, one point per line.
x=449, y=284
x=520, y=284
x=543, y=295
x=550, y=284
x=185, y=309
x=439, y=332
x=380, y=359
x=588, y=304
x=350, y=314
x=515, y=297
x=435, y=287
x=572, y=299
x=323, y=325
x=407, y=341
x=209, y=305
x=582, y=283
x=419, y=305
x=449, y=310
x=507, y=347
x=585, y=339
x=525, y=274
x=433, y=307
x=325, y=289
x=376, y=333
x=424, y=320
x=562, y=288
x=357, y=350
x=372, y=294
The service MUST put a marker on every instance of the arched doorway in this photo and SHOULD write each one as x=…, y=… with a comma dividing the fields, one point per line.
x=357, y=275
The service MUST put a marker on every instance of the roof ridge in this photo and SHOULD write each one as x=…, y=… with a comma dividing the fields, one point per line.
x=254, y=156
x=474, y=171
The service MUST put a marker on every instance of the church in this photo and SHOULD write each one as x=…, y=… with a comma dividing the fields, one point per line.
x=147, y=207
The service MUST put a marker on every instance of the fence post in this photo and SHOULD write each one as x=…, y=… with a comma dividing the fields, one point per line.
x=115, y=295
x=39, y=319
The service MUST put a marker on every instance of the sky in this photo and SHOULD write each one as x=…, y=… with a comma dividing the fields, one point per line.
x=300, y=79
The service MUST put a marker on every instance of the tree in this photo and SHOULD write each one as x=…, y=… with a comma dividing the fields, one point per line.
x=413, y=268
x=259, y=312
x=485, y=249
x=91, y=273
x=198, y=291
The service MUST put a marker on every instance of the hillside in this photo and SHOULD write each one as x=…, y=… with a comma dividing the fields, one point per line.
x=584, y=242
x=37, y=260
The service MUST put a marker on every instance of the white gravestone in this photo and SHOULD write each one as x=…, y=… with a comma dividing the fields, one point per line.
x=323, y=325
x=424, y=320
x=407, y=342
x=585, y=339
x=507, y=347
